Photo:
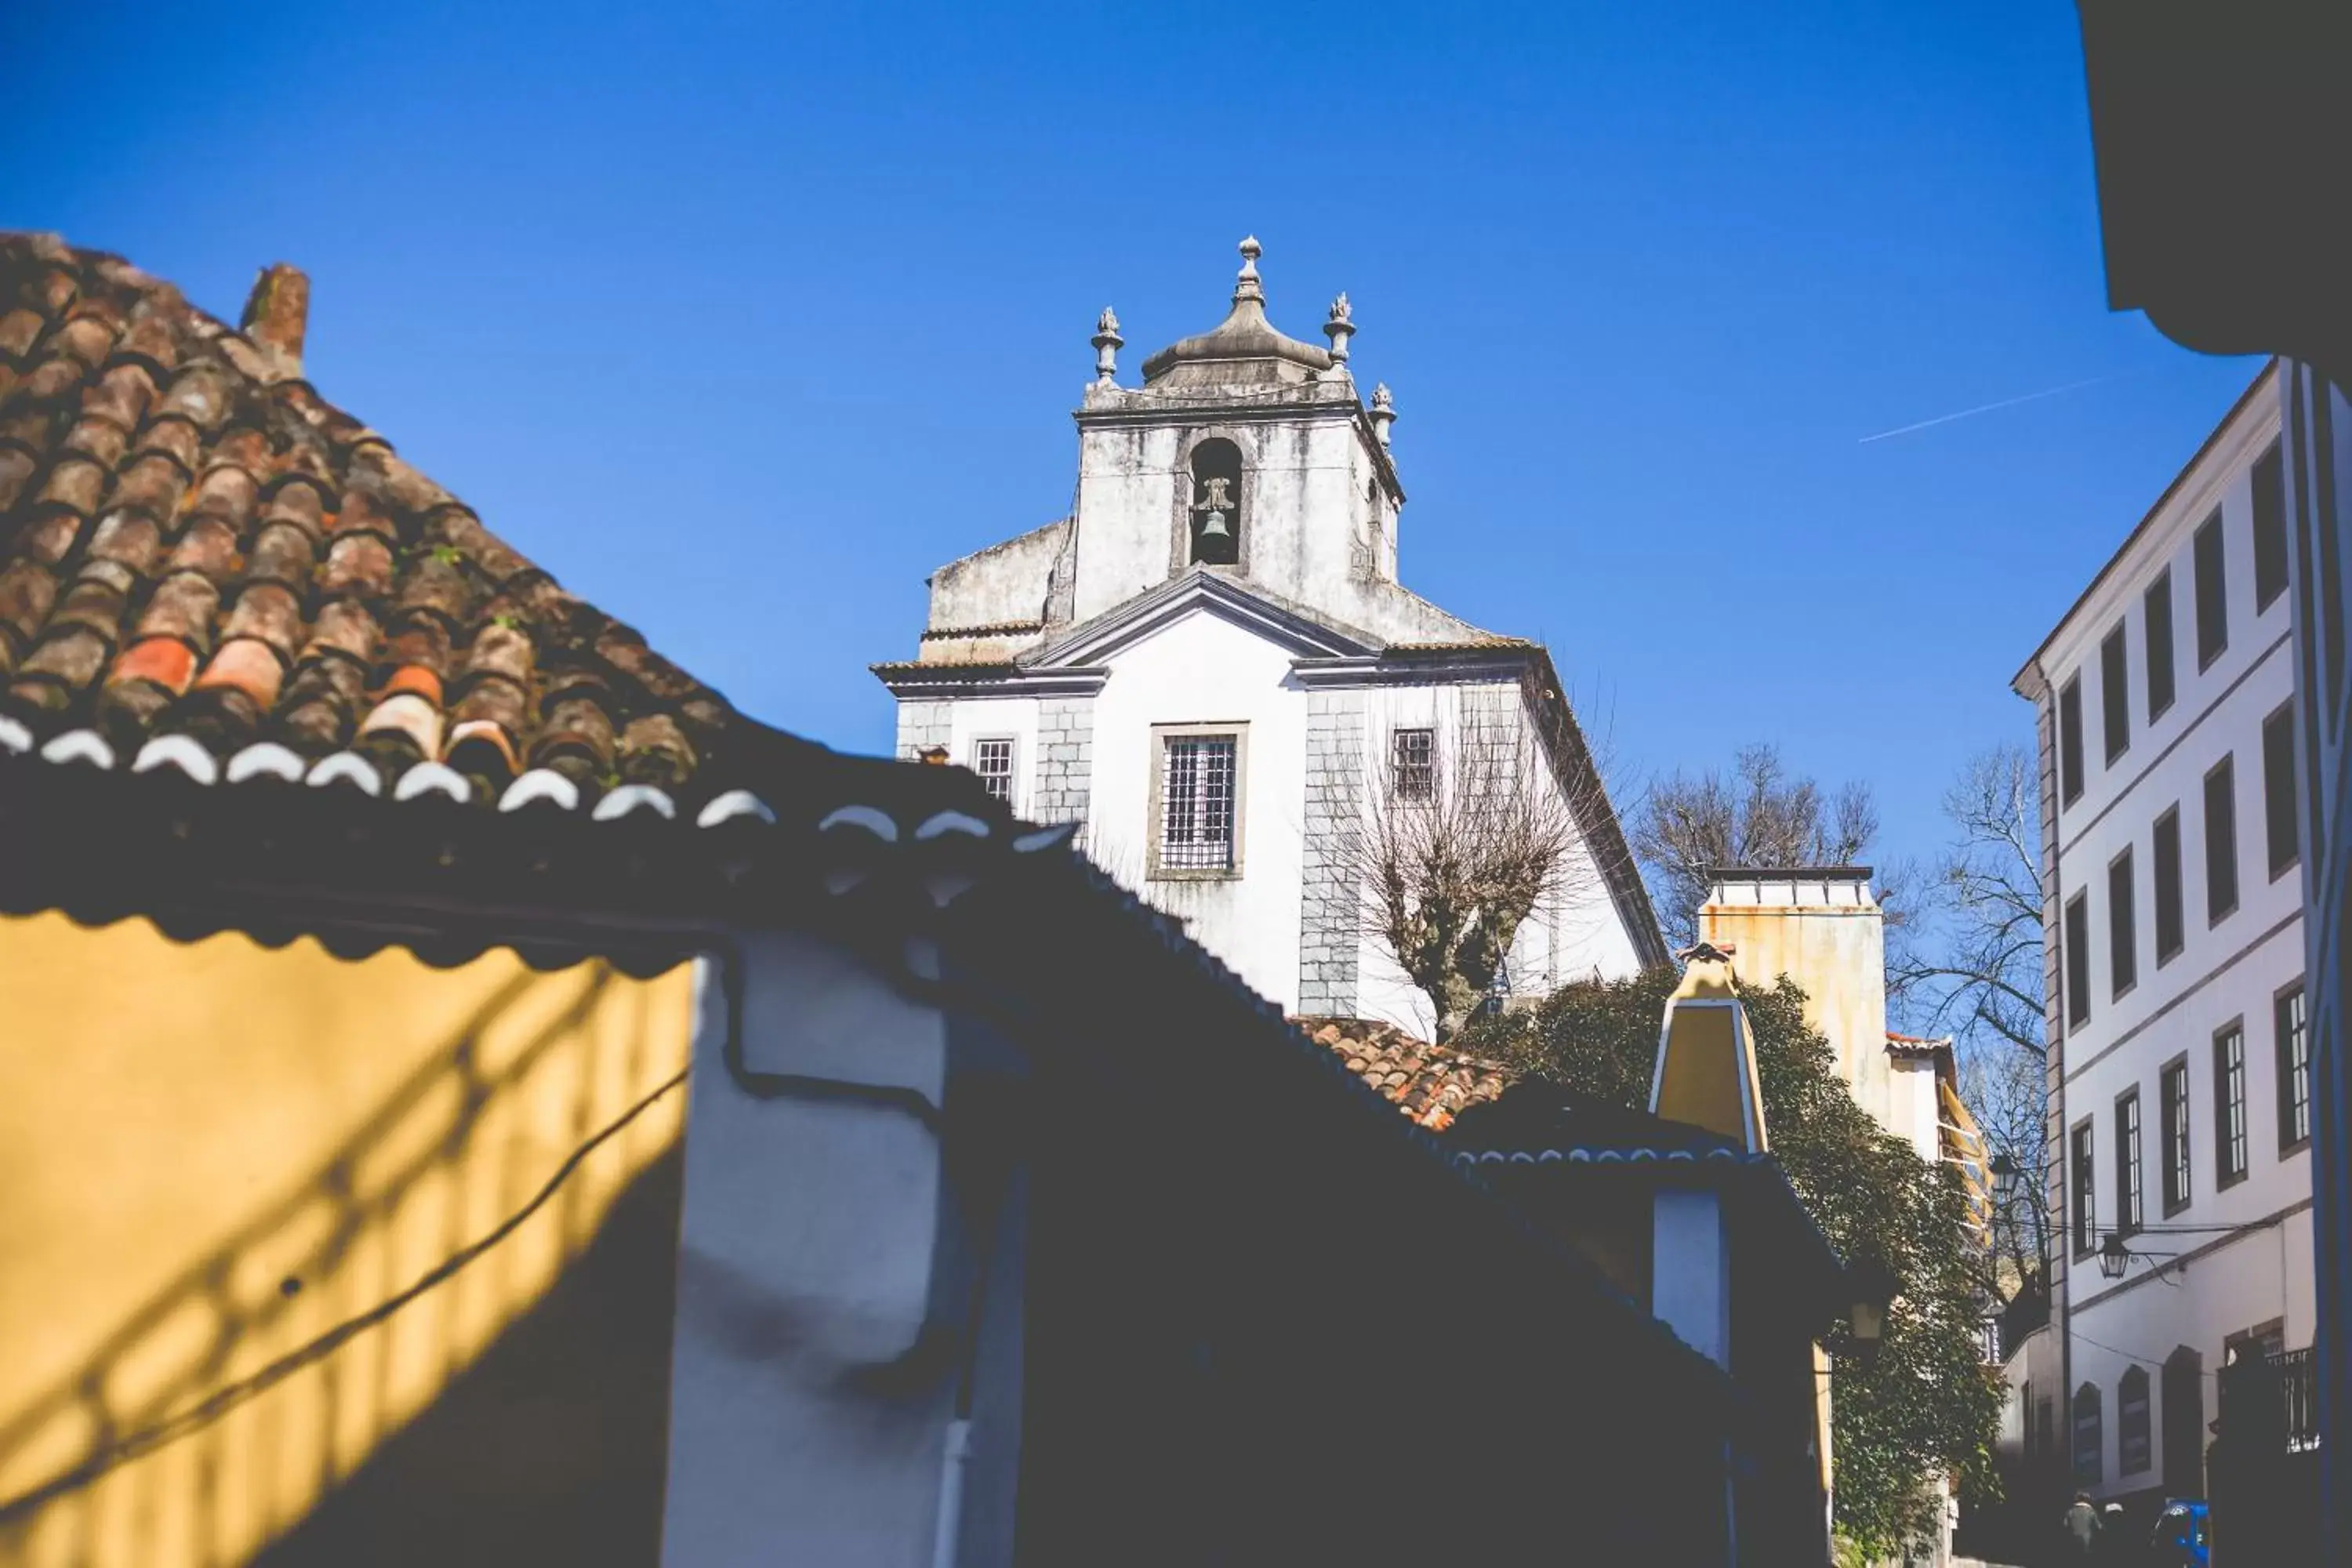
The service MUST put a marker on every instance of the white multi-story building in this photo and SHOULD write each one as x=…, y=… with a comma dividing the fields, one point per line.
x=1212, y=665
x=2180, y=1077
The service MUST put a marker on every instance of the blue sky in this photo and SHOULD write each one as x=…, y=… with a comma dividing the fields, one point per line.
x=741, y=320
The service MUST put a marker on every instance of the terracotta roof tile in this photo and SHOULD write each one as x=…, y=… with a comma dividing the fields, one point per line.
x=193, y=541
x=1430, y=1084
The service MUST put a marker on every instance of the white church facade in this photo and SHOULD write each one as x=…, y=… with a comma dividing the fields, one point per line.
x=1211, y=664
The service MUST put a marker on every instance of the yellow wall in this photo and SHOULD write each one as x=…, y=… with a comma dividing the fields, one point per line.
x=1839, y=956
x=210, y=1153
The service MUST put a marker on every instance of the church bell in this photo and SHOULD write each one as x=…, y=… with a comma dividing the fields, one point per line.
x=1215, y=511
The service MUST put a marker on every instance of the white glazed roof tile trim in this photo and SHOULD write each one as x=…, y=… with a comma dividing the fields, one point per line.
x=272, y=763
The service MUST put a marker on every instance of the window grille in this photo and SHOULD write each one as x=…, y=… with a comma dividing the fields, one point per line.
x=1196, y=803
x=992, y=761
x=1413, y=764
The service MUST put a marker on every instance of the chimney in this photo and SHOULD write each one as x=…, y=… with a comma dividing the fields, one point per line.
x=276, y=313
x=1820, y=926
x=1707, y=1060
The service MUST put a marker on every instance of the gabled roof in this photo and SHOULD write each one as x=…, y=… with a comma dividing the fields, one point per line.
x=194, y=543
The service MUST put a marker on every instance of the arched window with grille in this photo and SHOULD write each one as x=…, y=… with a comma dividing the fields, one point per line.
x=2135, y=1451
x=2090, y=1438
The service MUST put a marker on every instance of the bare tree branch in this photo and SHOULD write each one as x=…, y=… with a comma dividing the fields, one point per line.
x=1693, y=825
x=1452, y=857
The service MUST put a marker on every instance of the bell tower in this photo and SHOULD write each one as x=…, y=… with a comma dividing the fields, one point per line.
x=1245, y=452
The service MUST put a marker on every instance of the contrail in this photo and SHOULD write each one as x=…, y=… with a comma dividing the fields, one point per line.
x=1988, y=407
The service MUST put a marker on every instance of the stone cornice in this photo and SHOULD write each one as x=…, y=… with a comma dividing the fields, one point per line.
x=954, y=680
x=1405, y=666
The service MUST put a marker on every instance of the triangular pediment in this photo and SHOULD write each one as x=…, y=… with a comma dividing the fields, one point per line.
x=1296, y=630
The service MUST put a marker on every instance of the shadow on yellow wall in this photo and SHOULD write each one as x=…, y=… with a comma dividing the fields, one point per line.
x=212, y=1154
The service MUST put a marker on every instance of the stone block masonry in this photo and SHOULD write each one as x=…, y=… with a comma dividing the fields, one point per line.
x=1330, y=913
x=1065, y=760
x=923, y=725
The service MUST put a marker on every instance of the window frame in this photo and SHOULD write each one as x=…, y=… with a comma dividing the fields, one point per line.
x=2123, y=934
x=2083, y=1188
x=2290, y=1076
x=2167, y=827
x=1011, y=774
x=2217, y=572
x=2070, y=740
x=1237, y=731
x=2075, y=934
x=2267, y=480
x=2176, y=1132
x=2115, y=694
x=2124, y=1423
x=2156, y=610
x=2276, y=812
x=2222, y=853
x=2233, y=1142
x=2131, y=1189
x=1426, y=789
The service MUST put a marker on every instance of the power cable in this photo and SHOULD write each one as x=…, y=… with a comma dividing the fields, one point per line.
x=221, y=1401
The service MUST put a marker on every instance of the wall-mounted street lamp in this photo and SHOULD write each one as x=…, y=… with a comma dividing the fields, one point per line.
x=2116, y=1258
x=1873, y=1292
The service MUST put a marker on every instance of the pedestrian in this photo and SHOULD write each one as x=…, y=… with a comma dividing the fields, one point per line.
x=2081, y=1527
x=2115, y=1546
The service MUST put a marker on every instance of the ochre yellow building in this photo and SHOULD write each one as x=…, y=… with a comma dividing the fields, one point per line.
x=211, y=1154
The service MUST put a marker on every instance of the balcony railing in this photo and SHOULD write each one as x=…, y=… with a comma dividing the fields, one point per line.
x=2299, y=1391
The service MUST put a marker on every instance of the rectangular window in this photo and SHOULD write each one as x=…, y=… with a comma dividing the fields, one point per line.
x=1198, y=803
x=992, y=761
x=2212, y=593
x=2230, y=1104
x=2115, y=694
x=2069, y=741
x=2123, y=958
x=2168, y=886
x=2221, y=843
x=2279, y=816
x=2269, y=529
x=2086, y=1185
x=2157, y=607
x=2078, y=960
x=2294, y=1042
x=1413, y=763
x=2174, y=1111
x=2129, y=1213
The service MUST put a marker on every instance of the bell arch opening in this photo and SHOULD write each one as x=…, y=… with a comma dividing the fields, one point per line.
x=1216, y=517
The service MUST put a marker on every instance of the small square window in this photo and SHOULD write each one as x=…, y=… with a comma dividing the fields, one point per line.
x=1413, y=763
x=992, y=758
x=1196, y=801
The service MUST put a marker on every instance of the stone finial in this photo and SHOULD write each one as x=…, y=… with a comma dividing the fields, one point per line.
x=1107, y=342
x=277, y=315
x=1246, y=286
x=1339, y=329
x=1383, y=411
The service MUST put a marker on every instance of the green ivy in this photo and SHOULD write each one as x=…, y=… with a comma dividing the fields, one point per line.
x=1928, y=1406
